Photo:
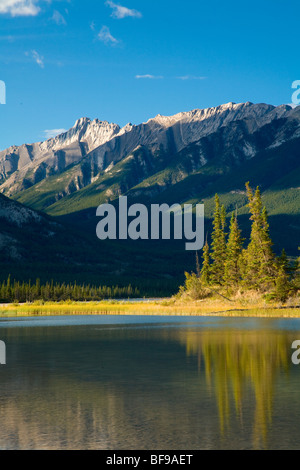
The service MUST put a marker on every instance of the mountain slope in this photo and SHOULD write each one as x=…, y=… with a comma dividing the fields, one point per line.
x=160, y=139
x=184, y=158
x=24, y=166
x=34, y=245
x=90, y=148
x=220, y=162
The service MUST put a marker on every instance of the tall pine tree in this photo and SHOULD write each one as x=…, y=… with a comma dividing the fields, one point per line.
x=218, y=244
x=260, y=266
x=232, y=275
x=205, y=270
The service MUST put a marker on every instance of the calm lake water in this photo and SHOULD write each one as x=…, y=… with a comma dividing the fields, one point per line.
x=129, y=382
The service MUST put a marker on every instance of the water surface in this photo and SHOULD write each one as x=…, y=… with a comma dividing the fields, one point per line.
x=130, y=382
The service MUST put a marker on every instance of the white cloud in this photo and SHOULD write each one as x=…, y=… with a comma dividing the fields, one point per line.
x=151, y=77
x=58, y=18
x=19, y=7
x=190, y=77
x=105, y=36
x=120, y=12
x=50, y=133
x=37, y=57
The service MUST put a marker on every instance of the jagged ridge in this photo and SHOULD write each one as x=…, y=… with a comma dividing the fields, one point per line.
x=100, y=144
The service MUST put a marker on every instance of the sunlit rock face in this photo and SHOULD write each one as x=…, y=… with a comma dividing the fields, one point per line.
x=92, y=146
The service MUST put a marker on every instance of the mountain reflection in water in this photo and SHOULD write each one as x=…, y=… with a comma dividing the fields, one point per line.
x=153, y=386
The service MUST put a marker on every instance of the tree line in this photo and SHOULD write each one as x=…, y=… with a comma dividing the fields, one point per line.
x=228, y=265
x=29, y=292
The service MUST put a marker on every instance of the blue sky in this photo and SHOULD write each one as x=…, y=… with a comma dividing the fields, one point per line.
x=130, y=60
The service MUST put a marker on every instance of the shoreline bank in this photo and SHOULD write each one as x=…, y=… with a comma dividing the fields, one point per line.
x=165, y=307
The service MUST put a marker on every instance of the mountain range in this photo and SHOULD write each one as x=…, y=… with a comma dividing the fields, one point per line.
x=183, y=158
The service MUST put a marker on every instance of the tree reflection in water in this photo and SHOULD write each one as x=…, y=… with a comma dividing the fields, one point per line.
x=144, y=387
x=235, y=360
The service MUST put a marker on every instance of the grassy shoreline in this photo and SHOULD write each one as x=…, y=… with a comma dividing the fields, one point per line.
x=164, y=307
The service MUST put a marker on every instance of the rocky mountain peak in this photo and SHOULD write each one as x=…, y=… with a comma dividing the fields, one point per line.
x=81, y=122
x=102, y=143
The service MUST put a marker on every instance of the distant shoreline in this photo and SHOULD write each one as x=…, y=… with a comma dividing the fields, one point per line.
x=151, y=307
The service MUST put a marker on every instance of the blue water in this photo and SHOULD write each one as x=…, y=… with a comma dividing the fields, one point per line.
x=153, y=320
x=149, y=382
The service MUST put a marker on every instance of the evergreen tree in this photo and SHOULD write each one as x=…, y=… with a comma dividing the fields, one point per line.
x=232, y=275
x=223, y=220
x=260, y=267
x=255, y=267
x=296, y=271
x=205, y=270
x=198, y=270
x=27, y=292
x=283, y=261
x=283, y=285
x=218, y=244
